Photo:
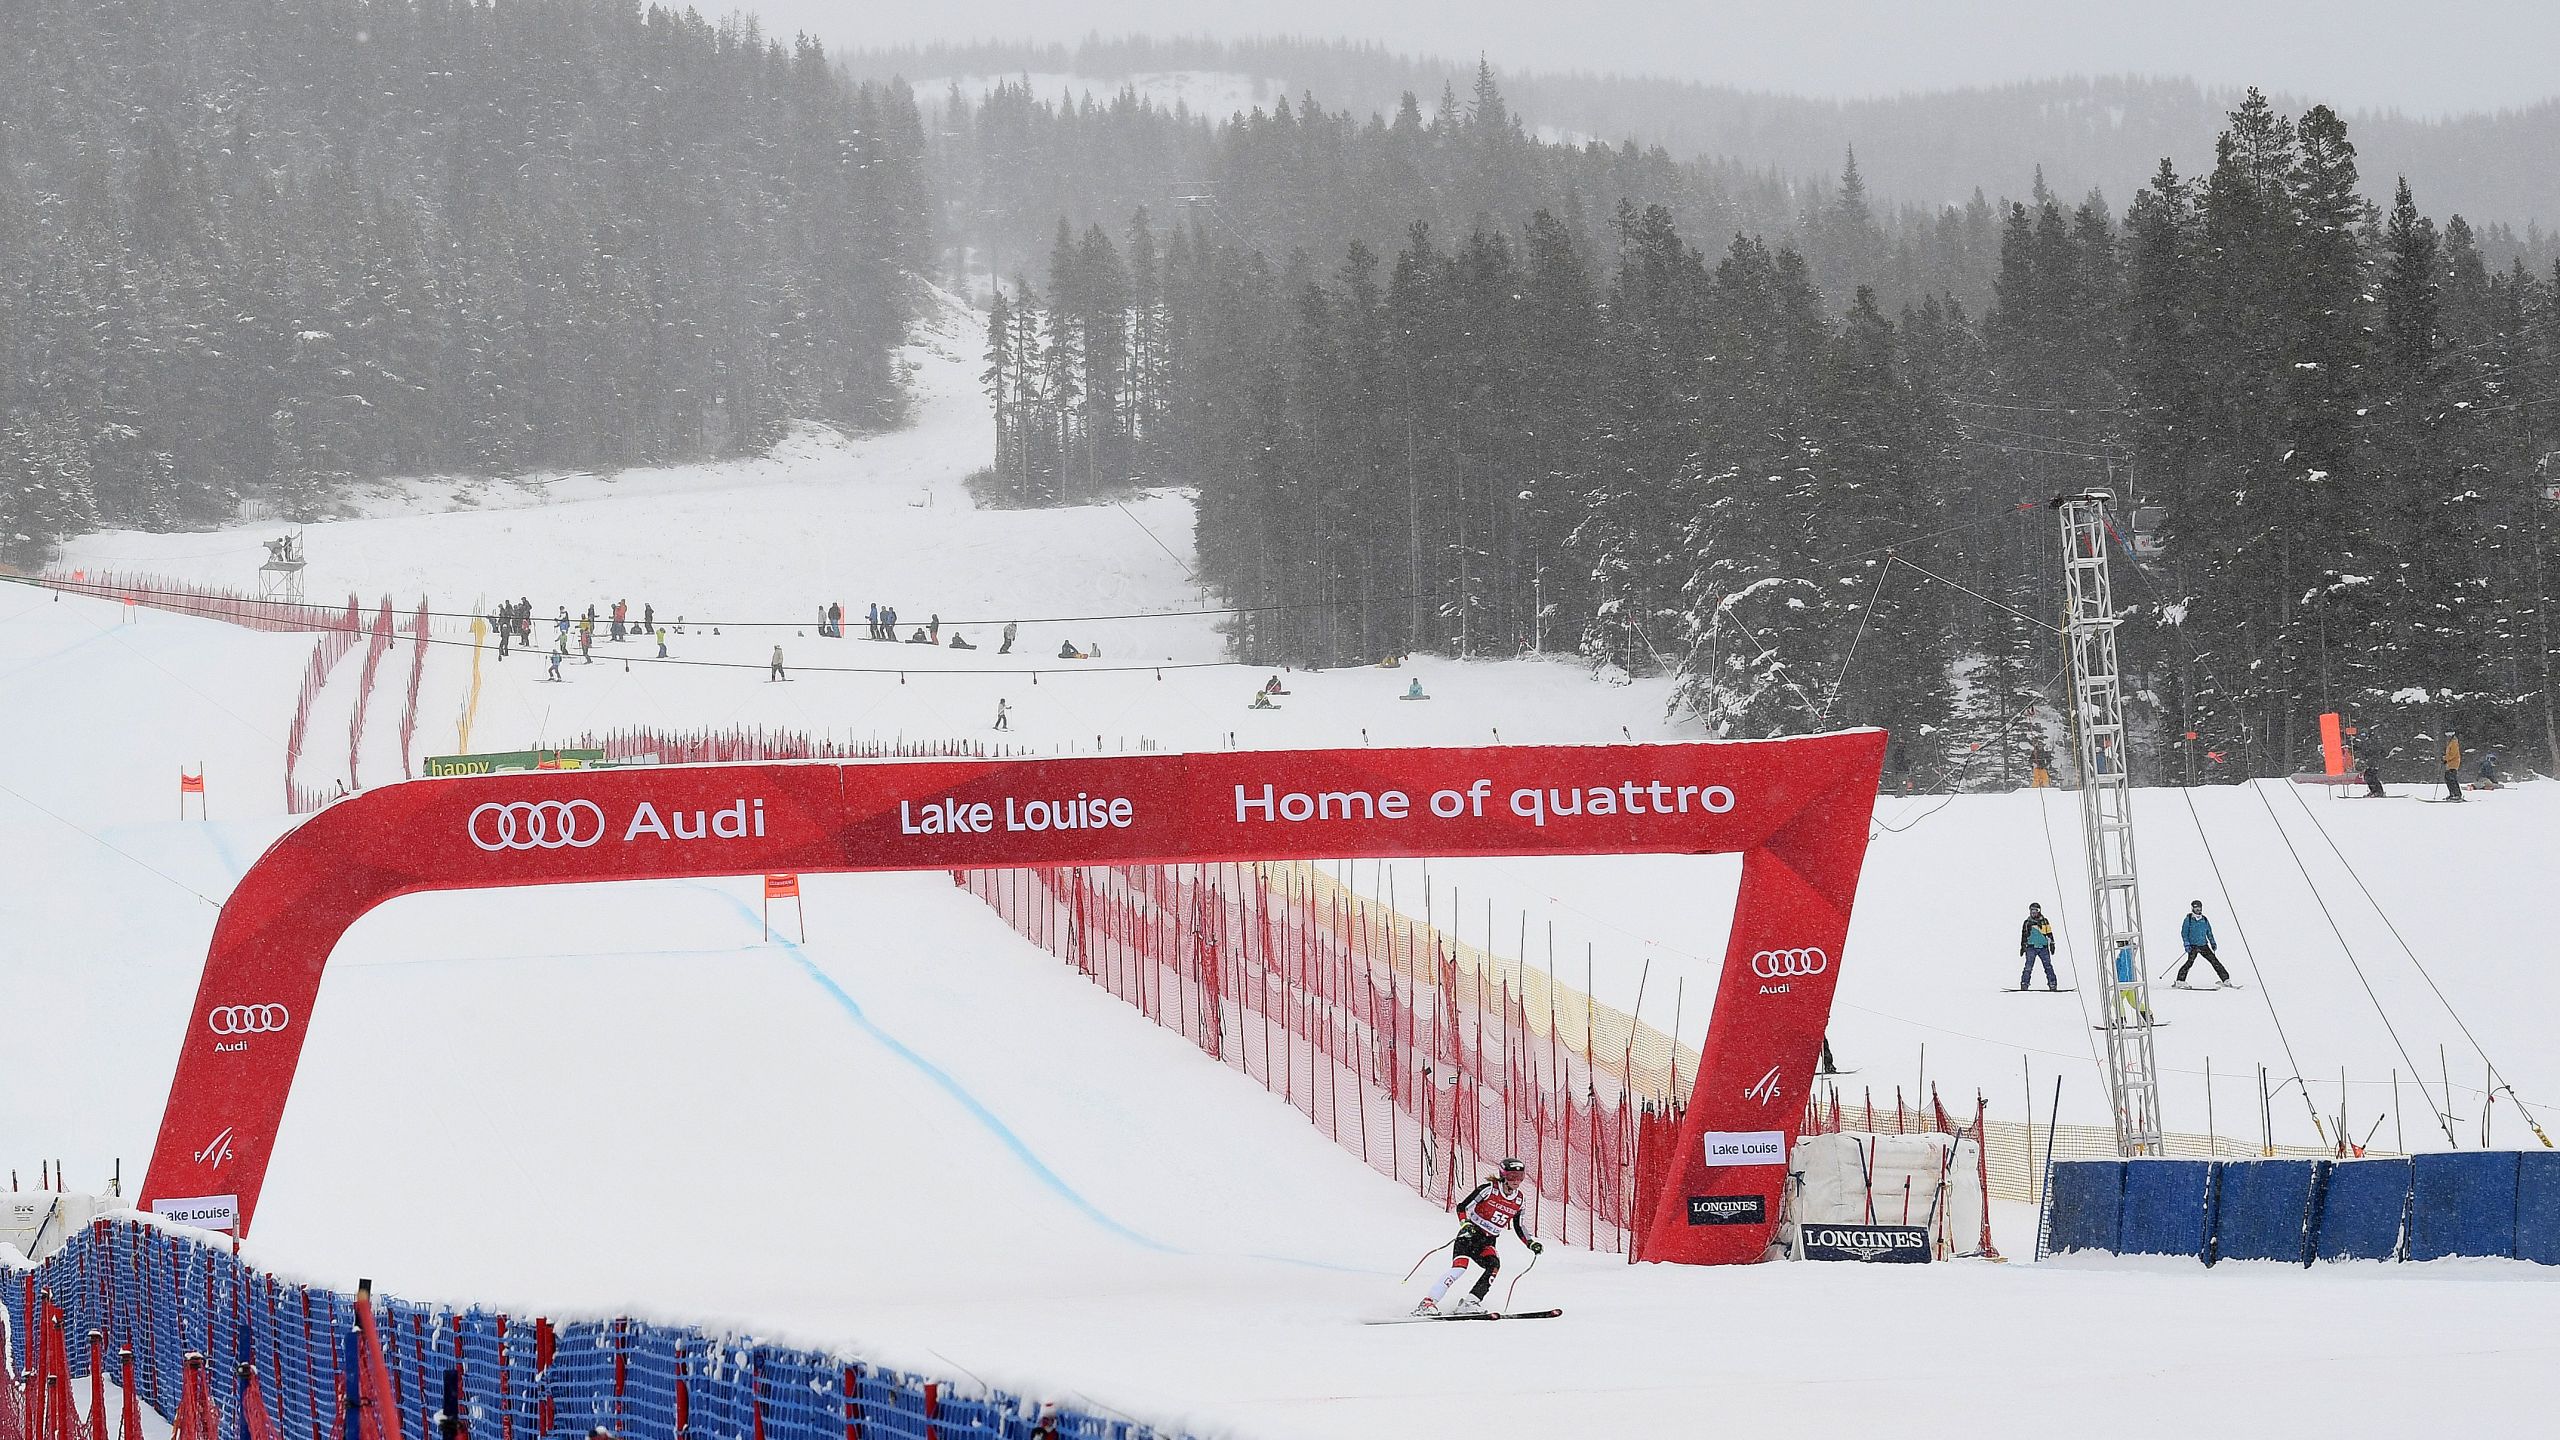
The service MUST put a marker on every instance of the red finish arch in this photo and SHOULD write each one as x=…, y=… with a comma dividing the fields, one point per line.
x=1795, y=810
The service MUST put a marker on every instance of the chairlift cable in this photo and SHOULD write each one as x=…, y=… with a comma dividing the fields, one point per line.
x=2348, y=951
x=2414, y=962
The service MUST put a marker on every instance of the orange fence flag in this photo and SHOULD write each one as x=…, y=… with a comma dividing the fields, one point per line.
x=782, y=887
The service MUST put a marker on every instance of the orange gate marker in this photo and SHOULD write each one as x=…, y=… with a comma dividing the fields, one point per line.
x=191, y=785
x=784, y=887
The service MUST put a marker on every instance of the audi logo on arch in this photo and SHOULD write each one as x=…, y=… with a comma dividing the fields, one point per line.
x=247, y=1019
x=537, y=825
x=1790, y=964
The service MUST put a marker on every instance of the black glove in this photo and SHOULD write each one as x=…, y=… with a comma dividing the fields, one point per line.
x=1537, y=1249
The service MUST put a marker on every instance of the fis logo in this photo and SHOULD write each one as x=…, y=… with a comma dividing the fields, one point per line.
x=216, y=1150
x=1765, y=1089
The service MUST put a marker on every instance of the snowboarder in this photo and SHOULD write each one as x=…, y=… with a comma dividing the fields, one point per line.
x=1067, y=650
x=960, y=641
x=2453, y=767
x=777, y=667
x=1274, y=686
x=556, y=657
x=1004, y=719
x=1413, y=690
x=2196, y=933
x=1007, y=647
x=2489, y=771
x=1262, y=701
x=2035, y=942
x=1493, y=1206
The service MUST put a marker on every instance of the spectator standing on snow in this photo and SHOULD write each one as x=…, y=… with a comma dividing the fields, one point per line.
x=587, y=643
x=777, y=667
x=662, y=644
x=556, y=657
x=933, y=628
x=2453, y=767
x=621, y=609
x=1004, y=718
x=506, y=630
x=2035, y=942
x=648, y=617
x=1007, y=647
x=2196, y=933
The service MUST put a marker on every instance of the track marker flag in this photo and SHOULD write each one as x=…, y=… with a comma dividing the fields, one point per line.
x=784, y=887
x=192, y=785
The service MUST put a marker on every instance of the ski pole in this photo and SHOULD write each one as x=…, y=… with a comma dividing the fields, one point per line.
x=1515, y=1280
x=1427, y=1254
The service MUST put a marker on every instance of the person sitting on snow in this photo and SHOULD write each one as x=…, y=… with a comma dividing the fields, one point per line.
x=1274, y=686
x=1262, y=701
x=1067, y=650
x=1414, y=690
x=960, y=641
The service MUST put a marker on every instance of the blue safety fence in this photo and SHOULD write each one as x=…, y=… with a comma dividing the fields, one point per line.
x=2538, y=1207
x=2262, y=1210
x=2084, y=1206
x=2463, y=1204
x=2363, y=1210
x=166, y=1294
x=2168, y=1208
x=2482, y=1204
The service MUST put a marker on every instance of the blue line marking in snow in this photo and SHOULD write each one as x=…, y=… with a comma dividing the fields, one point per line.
x=951, y=1086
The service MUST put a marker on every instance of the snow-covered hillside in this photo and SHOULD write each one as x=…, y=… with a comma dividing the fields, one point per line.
x=917, y=1137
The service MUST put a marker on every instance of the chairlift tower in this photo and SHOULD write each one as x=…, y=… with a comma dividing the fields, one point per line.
x=2106, y=821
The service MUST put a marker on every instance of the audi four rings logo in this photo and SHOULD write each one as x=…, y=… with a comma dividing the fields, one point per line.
x=247, y=1019
x=1789, y=964
x=537, y=825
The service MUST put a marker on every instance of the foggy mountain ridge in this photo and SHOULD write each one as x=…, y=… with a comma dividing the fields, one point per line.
x=1929, y=148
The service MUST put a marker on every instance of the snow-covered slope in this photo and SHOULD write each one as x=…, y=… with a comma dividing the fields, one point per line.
x=916, y=1136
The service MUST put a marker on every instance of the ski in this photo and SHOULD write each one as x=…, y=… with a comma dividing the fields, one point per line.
x=1479, y=1315
x=2022, y=990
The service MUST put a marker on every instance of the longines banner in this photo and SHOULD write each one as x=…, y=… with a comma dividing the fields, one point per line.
x=1796, y=810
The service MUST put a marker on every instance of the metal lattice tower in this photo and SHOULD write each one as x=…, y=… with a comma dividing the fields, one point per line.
x=2106, y=821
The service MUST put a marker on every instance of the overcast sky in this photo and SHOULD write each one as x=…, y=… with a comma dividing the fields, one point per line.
x=2432, y=56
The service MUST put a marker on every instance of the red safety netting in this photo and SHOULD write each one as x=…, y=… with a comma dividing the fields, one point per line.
x=326, y=652
x=1402, y=1046
x=752, y=742
x=210, y=602
x=419, y=625
x=375, y=643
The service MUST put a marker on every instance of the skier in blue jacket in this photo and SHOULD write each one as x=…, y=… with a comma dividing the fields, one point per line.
x=2035, y=942
x=2196, y=933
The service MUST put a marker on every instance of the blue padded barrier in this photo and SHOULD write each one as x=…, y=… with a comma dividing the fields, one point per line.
x=2362, y=1207
x=2538, y=1207
x=165, y=1294
x=2085, y=1205
x=2167, y=1208
x=2262, y=1209
x=2465, y=1205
